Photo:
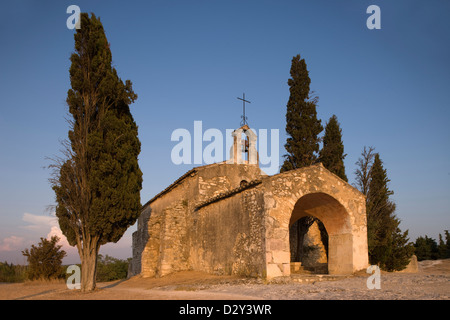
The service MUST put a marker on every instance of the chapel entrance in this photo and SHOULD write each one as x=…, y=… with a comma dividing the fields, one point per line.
x=308, y=243
x=328, y=248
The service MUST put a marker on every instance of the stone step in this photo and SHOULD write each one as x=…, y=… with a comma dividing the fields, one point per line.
x=311, y=278
x=297, y=268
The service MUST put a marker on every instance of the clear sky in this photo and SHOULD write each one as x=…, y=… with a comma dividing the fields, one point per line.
x=189, y=60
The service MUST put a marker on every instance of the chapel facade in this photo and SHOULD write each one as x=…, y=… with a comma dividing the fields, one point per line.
x=231, y=218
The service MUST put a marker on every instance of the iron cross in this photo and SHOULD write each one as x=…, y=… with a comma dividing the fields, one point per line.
x=244, y=118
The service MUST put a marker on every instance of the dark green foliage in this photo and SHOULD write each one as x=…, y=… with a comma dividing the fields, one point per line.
x=45, y=260
x=104, y=143
x=388, y=245
x=109, y=268
x=380, y=212
x=398, y=250
x=98, y=183
x=332, y=154
x=302, y=125
x=302, y=128
x=442, y=248
x=426, y=248
x=12, y=273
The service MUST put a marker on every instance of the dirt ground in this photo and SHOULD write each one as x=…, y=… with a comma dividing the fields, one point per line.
x=432, y=282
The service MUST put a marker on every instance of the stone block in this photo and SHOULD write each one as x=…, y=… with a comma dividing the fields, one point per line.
x=281, y=256
x=273, y=270
x=269, y=257
x=276, y=244
x=286, y=268
x=295, y=266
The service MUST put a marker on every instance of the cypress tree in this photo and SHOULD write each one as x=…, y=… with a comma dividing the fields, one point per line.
x=379, y=211
x=332, y=154
x=302, y=128
x=398, y=251
x=97, y=182
x=302, y=125
x=387, y=245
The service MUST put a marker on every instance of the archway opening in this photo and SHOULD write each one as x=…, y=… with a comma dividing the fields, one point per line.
x=308, y=243
x=320, y=236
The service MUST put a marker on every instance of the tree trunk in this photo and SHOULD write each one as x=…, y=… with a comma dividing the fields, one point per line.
x=89, y=267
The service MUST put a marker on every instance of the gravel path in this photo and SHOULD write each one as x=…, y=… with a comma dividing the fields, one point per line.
x=432, y=282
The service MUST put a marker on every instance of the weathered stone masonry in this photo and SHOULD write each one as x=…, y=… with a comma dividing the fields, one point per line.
x=232, y=219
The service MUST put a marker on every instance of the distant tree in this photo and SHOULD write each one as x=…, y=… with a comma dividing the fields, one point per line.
x=447, y=243
x=45, y=259
x=442, y=248
x=302, y=125
x=12, y=273
x=426, y=248
x=332, y=154
x=98, y=180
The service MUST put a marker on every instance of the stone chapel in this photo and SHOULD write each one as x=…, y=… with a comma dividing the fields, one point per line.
x=231, y=218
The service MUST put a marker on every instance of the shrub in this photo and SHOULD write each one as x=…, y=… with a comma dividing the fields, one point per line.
x=45, y=260
x=109, y=268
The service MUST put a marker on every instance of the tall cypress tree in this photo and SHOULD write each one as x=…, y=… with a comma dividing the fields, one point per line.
x=98, y=181
x=332, y=154
x=302, y=125
x=387, y=244
x=379, y=210
x=302, y=128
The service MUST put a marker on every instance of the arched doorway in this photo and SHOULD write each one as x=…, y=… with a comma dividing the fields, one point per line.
x=337, y=224
x=314, y=191
x=308, y=246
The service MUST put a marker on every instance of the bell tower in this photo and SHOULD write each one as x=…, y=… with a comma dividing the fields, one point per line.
x=244, y=151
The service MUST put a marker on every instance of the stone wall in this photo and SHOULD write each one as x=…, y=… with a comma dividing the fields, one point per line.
x=173, y=242
x=178, y=236
x=228, y=235
x=166, y=249
x=139, y=241
x=230, y=219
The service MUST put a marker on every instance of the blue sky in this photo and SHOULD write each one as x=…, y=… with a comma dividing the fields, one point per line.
x=189, y=60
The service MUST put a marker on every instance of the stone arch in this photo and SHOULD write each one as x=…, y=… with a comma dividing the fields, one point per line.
x=317, y=192
x=337, y=224
x=308, y=246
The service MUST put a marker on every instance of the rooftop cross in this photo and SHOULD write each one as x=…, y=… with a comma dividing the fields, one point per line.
x=244, y=118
